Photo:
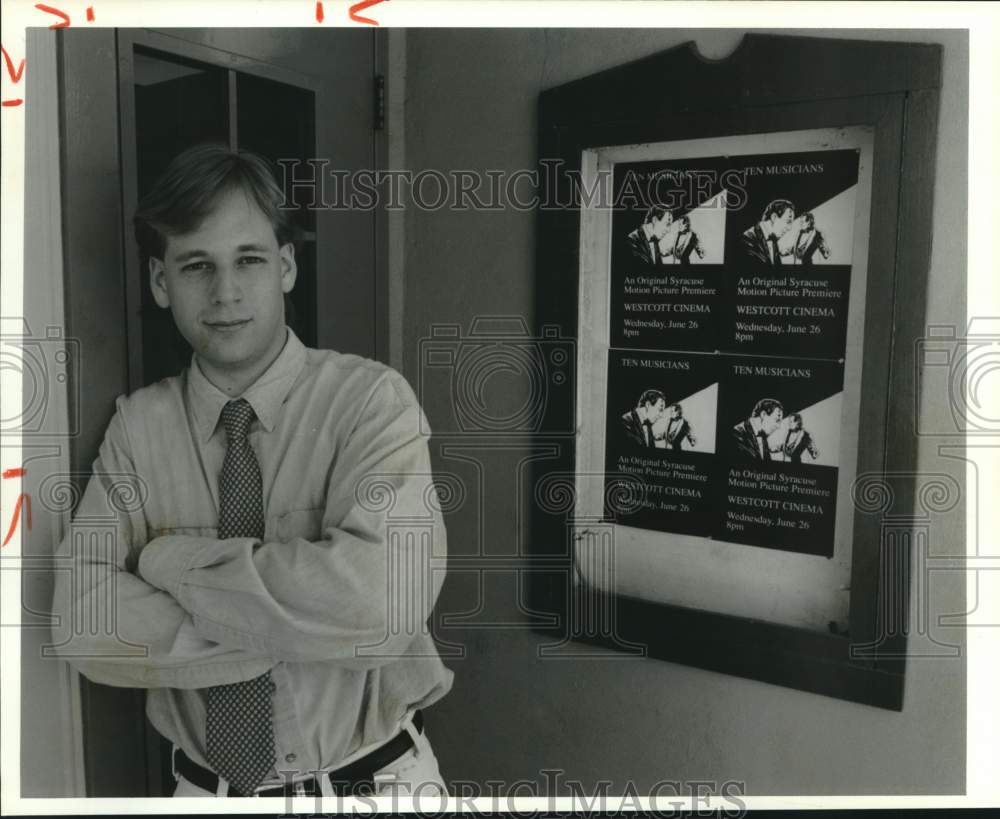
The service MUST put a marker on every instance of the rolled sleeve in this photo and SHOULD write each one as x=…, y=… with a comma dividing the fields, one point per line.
x=111, y=625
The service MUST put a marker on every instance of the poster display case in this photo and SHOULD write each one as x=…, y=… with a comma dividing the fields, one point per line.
x=741, y=265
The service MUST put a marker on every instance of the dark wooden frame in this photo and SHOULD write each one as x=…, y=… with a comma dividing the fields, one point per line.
x=769, y=84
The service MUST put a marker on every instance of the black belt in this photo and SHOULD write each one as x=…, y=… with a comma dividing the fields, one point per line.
x=357, y=778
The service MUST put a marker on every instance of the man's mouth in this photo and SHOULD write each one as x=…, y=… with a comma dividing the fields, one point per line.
x=229, y=325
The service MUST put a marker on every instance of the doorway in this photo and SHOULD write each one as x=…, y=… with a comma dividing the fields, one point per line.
x=129, y=101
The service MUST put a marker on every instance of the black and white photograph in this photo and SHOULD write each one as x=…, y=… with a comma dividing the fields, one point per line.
x=799, y=442
x=673, y=431
x=800, y=208
x=692, y=237
x=436, y=408
x=809, y=240
x=771, y=432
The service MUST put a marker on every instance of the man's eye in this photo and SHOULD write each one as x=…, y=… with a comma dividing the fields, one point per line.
x=251, y=260
x=195, y=267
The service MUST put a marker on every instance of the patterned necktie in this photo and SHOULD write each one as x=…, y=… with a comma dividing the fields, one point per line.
x=239, y=734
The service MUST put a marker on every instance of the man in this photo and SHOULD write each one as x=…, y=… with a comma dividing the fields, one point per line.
x=648, y=242
x=761, y=241
x=687, y=242
x=254, y=587
x=808, y=242
x=751, y=436
x=678, y=430
x=638, y=423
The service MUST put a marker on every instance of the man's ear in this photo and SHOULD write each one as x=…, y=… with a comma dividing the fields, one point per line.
x=288, y=269
x=158, y=281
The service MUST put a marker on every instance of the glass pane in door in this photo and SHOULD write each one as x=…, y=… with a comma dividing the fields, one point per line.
x=278, y=121
x=178, y=103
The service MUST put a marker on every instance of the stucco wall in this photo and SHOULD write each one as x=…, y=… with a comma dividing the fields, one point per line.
x=470, y=102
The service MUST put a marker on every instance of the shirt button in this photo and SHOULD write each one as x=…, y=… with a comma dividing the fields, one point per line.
x=290, y=757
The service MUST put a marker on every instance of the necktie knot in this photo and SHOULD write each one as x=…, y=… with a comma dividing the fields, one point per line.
x=237, y=417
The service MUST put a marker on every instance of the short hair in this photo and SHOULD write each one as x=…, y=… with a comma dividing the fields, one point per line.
x=795, y=416
x=808, y=217
x=686, y=220
x=651, y=397
x=677, y=407
x=766, y=406
x=776, y=208
x=185, y=194
x=655, y=212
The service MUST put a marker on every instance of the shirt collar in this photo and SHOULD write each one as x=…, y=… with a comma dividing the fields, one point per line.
x=266, y=395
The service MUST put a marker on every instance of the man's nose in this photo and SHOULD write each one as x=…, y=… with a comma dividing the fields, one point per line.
x=225, y=285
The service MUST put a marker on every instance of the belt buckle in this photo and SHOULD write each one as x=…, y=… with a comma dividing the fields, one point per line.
x=383, y=779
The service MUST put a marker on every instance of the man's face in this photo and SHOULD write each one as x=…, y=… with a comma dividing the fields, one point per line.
x=781, y=224
x=675, y=412
x=769, y=422
x=661, y=225
x=654, y=411
x=225, y=283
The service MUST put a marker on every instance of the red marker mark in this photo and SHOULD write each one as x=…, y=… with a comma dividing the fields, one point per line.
x=50, y=10
x=15, y=76
x=319, y=12
x=90, y=14
x=357, y=18
x=24, y=496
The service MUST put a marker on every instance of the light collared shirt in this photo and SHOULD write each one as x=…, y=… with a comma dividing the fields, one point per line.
x=334, y=600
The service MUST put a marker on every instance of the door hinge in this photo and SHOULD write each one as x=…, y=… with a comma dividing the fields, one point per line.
x=379, y=102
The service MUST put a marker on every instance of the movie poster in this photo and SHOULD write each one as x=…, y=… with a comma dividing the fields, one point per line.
x=729, y=287
x=662, y=429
